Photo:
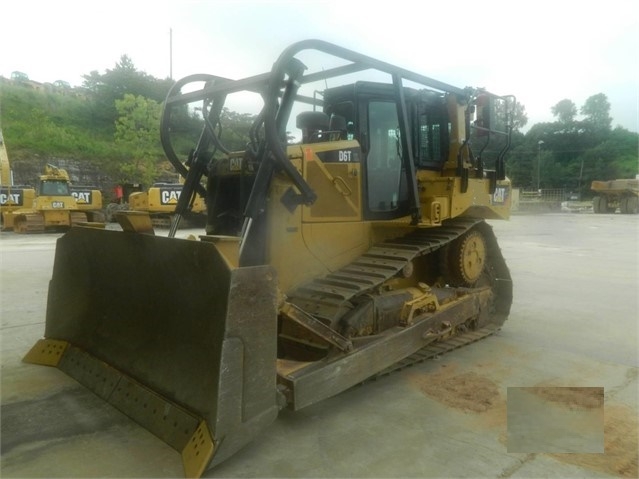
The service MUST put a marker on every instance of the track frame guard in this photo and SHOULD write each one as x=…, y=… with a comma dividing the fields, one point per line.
x=166, y=331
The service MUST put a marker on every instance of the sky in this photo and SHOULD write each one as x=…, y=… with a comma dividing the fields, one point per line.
x=540, y=51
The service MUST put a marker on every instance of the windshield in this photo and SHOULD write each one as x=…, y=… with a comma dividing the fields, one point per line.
x=54, y=188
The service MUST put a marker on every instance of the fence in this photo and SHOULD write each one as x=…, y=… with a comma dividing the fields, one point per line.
x=543, y=200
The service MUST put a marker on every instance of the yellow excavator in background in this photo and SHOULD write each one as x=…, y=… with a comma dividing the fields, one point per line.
x=360, y=248
x=57, y=205
x=12, y=197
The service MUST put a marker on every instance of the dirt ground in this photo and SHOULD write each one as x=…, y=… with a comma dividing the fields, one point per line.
x=572, y=397
x=471, y=392
x=466, y=391
x=620, y=449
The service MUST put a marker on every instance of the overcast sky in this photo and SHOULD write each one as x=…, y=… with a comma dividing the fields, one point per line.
x=541, y=51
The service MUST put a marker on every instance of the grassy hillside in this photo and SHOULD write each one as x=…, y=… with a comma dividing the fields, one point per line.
x=42, y=127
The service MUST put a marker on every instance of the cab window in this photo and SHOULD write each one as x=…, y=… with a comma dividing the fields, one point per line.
x=54, y=188
x=383, y=163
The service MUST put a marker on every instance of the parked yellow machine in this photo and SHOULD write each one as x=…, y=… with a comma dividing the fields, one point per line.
x=160, y=201
x=55, y=206
x=12, y=197
x=613, y=194
x=359, y=249
x=88, y=199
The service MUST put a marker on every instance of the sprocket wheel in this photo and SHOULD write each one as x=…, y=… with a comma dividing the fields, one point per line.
x=465, y=259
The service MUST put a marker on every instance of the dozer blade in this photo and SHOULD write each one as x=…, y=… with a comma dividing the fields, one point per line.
x=167, y=332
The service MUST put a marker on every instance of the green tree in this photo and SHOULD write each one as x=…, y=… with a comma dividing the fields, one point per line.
x=123, y=79
x=521, y=162
x=235, y=129
x=137, y=131
x=597, y=121
x=574, y=153
x=565, y=112
x=614, y=158
x=519, y=116
x=596, y=109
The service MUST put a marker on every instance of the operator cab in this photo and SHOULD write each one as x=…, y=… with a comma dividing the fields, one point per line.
x=370, y=111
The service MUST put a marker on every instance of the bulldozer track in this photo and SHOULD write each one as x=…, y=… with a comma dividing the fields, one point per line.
x=326, y=296
x=438, y=348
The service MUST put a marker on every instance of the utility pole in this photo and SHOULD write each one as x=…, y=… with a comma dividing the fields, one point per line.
x=541, y=142
x=171, y=53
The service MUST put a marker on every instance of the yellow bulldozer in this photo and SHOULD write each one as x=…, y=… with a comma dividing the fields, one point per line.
x=160, y=201
x=12, y=197
x=359, y=247
x=57, y=205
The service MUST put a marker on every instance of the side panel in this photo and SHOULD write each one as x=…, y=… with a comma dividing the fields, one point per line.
x=309, y=241
x=333, y=171
x=441, y=199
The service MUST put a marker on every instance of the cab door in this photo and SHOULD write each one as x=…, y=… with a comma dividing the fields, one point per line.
x=386, y=195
